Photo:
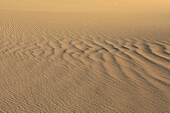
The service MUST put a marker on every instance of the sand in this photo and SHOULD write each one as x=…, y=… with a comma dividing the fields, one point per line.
x=63, y=62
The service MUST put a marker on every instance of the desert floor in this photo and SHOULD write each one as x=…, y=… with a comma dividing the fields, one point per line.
x=84, y=62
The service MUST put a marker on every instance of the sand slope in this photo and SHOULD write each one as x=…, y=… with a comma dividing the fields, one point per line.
x=65, y=62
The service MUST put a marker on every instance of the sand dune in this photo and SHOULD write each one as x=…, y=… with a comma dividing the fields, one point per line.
x=82, y=62
x=119, y=6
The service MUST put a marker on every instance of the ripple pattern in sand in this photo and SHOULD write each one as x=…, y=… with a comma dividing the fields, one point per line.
x=47, y=69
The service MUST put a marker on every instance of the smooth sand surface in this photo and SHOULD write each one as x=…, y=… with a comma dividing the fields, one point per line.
x=54, y=62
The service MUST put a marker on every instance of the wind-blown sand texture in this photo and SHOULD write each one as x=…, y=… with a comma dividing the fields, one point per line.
x=84, y=62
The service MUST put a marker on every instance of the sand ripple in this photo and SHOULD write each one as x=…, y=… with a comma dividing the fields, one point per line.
x=54, y=66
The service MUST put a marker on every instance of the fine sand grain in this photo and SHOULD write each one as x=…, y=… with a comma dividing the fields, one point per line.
x=84, y=62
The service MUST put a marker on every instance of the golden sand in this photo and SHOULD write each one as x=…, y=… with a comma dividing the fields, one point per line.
x=91, y=59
